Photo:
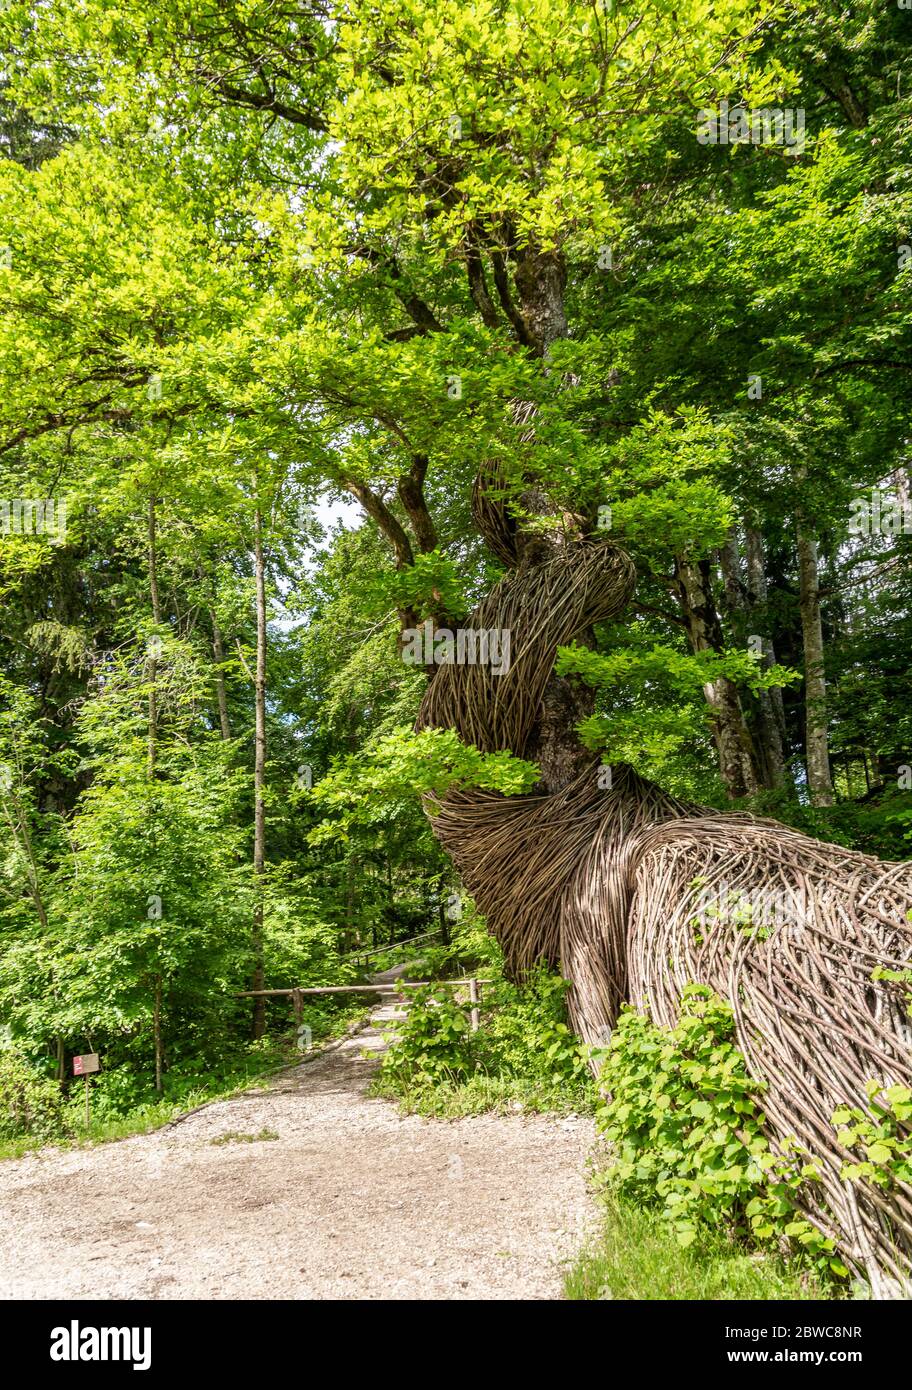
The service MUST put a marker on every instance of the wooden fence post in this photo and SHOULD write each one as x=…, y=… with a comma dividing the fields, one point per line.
x=298, y=1001
x=473, y=1000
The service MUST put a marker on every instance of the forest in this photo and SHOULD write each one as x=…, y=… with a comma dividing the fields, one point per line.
x=456, y=483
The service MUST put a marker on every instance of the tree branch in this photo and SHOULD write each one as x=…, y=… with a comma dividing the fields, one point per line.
x=379, y=512
x=411, y=495
x=502, y=285
x=479, y=290
x=263, y=101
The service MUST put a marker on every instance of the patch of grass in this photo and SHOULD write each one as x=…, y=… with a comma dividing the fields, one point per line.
x=235, y=1137
x=479, y=1094
x=140, y=1121
x=637, y=1257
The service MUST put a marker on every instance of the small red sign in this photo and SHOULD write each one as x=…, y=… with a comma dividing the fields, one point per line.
x=88, y=1062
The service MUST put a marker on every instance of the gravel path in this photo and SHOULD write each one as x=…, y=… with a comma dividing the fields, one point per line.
x=350, y=1201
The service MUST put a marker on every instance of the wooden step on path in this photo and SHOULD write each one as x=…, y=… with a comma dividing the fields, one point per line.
x=394, y=1008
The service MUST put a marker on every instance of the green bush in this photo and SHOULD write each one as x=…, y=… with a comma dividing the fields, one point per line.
x=881, y=1137
x=433, y=1043
x=30, y=1104
x=524, y=1055
x=526, y=1034
x=686, y=1130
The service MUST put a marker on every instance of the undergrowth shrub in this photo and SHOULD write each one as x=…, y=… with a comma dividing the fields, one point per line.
x=683, y=1119
x=526, y=1033
x=523, y=1054
x=881, y=1137
x=30, y=1104
x=433, y=1043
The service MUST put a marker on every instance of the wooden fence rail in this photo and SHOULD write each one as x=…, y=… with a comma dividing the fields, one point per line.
x=297, y=994
x=361, y=954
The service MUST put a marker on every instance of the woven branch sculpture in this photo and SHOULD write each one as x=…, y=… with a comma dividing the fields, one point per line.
x=612, y=886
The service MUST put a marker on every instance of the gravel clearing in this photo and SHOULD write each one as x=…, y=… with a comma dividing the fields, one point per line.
x=350, y=1201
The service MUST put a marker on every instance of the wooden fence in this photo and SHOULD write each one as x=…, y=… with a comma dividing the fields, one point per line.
x=360, y=954
x=298, y=993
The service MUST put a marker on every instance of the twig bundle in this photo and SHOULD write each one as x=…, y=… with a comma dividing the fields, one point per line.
x=635, y=894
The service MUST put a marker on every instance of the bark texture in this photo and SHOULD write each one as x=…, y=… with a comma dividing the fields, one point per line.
x=259, y=777
x=734, y=745
x=771, y=716
x=820, y=783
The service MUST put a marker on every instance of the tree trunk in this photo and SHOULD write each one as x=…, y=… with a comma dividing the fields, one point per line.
x=442, y=918
x=156, y=1033
x=772, y=709
x=606, y=882
x=734, y=746
x=555, y=745
x=540, y=280
x=820, y=782
x=218, y=651
x=730, y=564
x=259, y=777
x=354, y=937
x=739, y=602
x=152, y=753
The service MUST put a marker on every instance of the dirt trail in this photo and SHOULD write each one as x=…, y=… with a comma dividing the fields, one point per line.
x=351, y=1201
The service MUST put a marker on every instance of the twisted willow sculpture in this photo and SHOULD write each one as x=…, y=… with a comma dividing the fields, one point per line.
x=610, y=885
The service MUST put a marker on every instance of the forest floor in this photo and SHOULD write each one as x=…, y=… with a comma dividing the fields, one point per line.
x=308, y=1188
